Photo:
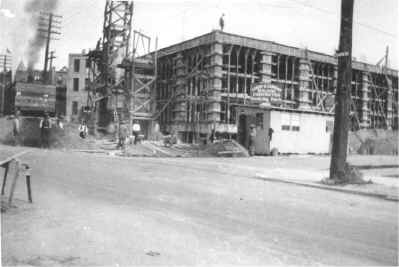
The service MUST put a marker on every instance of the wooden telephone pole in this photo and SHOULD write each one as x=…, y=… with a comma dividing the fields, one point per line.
x=5, y=64
x=343, y=94
x=48, y=22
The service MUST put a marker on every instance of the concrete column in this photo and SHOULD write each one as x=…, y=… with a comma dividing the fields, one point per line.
x=180, y=106
x=215, y=82
x=266, y=67
x=364, y=119
x=389, y=103
x=304, y=85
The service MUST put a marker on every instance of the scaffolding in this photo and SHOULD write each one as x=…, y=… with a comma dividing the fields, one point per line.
x=106, y=80
x=140, y=75
x=238, y=66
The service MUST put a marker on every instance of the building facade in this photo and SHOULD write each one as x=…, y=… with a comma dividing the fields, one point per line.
x=76, y=86
x=203, y=82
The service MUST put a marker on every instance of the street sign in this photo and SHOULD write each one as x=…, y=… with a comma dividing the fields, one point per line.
x=342, y=54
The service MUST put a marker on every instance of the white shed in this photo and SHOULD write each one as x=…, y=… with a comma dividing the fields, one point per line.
x=287, y=130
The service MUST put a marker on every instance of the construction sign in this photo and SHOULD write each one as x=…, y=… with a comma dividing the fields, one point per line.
x=266, y=93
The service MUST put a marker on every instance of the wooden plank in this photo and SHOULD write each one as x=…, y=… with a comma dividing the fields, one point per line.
x=6, y=169
x=14, y=182
x=13, y=157
x=28, y=187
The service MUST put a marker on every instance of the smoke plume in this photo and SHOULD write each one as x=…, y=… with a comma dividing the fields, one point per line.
x=36, y=43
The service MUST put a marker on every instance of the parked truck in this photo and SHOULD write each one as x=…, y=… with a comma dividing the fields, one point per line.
x=35, y=98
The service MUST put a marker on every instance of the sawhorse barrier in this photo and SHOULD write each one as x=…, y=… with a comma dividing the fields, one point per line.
x=20, y=168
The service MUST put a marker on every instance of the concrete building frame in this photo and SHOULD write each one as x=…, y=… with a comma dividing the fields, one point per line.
x=201, y=82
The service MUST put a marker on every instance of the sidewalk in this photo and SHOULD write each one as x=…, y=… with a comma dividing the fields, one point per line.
x=308, y=171
x=381, y=187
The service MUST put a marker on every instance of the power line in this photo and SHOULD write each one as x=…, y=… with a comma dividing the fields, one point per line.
x=326, y=11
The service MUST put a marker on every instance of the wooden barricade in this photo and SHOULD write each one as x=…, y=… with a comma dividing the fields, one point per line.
x=19, y=169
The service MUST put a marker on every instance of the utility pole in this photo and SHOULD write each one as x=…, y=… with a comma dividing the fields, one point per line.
x=50, y=77
x=47, y=23
x=51, y=59
x=5, y=61
x=343, y=96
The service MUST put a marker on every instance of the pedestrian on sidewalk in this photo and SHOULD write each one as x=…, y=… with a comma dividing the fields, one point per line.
x=136, y=131
x=45, y=126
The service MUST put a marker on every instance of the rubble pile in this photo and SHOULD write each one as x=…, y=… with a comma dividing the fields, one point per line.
x=226, y=148
x=373, y=142
x=68, y=137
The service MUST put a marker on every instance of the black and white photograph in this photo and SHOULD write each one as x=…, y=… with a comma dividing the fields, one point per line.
x=199, y=133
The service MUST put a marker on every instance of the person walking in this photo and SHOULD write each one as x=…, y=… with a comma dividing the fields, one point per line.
x=16, y=128
x=136, y=131
x=45, y=126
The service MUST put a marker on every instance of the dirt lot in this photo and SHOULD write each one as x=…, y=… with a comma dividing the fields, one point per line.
x=92, y=209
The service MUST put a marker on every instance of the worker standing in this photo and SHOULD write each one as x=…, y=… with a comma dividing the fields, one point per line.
x=83, y=129
x=16, y=128
x=221, y=22
x=213, y=133
x=59, y=119
x=136, y=131
x=45, y=126
x=252, y=136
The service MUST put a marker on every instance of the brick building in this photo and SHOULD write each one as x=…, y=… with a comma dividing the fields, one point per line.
x=76, y=86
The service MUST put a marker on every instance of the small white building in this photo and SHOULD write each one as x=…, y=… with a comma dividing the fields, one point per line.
x=287, y=130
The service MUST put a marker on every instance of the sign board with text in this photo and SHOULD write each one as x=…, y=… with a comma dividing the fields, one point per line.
x=266, y=93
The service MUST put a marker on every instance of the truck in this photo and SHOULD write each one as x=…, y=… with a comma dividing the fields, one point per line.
x=35, y=98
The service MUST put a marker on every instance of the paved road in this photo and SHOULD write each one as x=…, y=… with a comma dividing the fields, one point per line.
x=97, y=210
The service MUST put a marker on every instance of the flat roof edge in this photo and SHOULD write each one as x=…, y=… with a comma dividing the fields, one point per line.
x=224, y=37
x=286, y=109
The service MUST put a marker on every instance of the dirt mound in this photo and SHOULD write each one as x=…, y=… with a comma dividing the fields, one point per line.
x=226, y=148
x=68, y=137
x=350, y=175
x=374, y=142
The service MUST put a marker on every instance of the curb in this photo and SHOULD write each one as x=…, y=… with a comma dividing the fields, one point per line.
x=325, y=187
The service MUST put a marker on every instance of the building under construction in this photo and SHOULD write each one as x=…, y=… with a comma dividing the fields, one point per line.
x=226, y=81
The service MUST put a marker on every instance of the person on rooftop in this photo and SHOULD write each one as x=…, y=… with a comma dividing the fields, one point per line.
x=221, y=22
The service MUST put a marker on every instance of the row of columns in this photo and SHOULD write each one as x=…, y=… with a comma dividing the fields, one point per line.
x=215, y=86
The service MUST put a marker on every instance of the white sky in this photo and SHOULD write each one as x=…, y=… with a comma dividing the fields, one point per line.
x=302, y=23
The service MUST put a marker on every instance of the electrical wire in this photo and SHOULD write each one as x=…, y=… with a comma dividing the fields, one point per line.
x=357, y=22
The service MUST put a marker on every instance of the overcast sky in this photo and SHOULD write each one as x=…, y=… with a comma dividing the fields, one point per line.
x=302, y=23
